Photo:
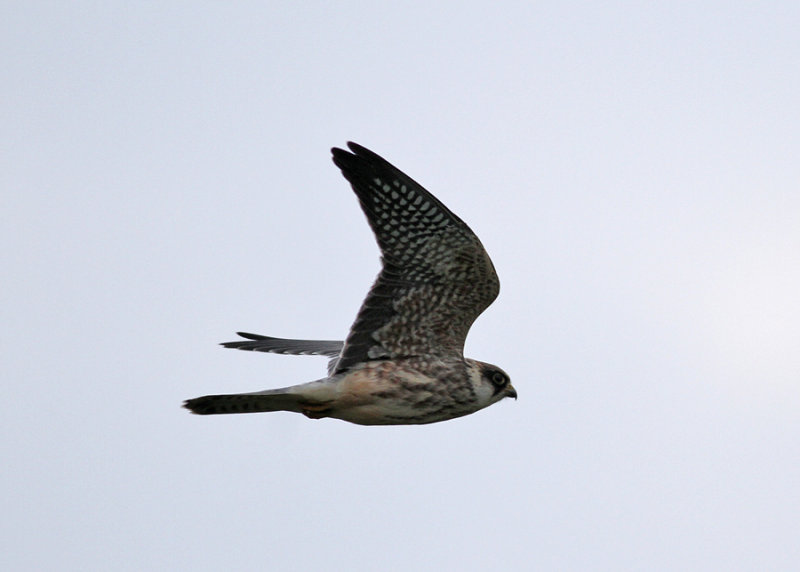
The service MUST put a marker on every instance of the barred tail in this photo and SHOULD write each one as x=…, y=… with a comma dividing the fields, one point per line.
x=243, y=403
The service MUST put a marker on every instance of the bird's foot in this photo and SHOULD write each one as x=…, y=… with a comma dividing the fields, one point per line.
x=316, y=410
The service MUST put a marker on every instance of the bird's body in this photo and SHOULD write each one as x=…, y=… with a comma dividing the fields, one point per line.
x=402, y=362
x=386, y=392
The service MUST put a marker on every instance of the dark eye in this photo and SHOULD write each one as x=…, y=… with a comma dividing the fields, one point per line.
x=498, y=378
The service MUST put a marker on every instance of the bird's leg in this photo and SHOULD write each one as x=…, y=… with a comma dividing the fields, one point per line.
x=316, y=410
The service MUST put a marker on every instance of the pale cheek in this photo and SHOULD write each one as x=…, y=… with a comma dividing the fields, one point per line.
x=484, y=393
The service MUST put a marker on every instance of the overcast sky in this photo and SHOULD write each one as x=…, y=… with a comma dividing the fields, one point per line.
x=166, y=180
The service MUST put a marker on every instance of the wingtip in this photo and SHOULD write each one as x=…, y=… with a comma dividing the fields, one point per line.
x=357, y=158
x=340, y=157
x=357, y=149
x=245, y=335
x=249, y=336
x=352, y=149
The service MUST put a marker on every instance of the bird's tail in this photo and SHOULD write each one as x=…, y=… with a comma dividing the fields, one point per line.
x=272, y=400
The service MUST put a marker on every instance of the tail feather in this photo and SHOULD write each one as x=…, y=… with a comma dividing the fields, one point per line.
x=243, y=403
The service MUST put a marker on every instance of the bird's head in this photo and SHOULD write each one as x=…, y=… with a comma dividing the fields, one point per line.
x=491, y=384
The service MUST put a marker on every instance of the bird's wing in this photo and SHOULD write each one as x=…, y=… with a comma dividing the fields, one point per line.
x=436, y=277
x=258, y=343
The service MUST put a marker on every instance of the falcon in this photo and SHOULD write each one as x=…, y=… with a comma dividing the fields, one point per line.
x=403, y=360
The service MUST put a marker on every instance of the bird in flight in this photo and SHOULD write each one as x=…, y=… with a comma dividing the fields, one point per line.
x=402, y=362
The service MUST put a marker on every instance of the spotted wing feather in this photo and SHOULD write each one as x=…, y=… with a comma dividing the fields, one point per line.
x=436, y=277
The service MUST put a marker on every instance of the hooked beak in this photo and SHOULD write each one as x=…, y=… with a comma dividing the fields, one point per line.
x=510, y=391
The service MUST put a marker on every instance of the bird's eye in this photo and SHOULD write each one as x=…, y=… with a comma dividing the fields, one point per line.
x=498, y=379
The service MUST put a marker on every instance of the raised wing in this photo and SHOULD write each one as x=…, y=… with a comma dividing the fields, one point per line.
x=258, y=343
x=436, y=277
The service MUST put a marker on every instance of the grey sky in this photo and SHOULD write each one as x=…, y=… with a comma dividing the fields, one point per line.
x=632, y=170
